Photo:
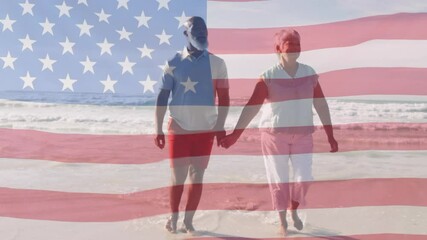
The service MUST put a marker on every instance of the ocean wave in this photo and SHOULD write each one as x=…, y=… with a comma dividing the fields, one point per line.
x=20, y=97
x=127, y=117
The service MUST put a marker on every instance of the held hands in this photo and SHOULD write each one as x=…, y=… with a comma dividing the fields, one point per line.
x=223, y=140
x=219, y=136
x=229, y=140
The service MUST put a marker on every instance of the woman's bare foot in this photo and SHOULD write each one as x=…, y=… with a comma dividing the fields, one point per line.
x=188, y=227
x=171, y=223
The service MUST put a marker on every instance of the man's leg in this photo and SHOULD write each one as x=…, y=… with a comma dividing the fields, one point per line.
x=200, y=152
x=283, y=223
x=178, y=176
x=194, y=196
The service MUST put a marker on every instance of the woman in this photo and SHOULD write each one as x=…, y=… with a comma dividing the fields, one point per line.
x=290, y=89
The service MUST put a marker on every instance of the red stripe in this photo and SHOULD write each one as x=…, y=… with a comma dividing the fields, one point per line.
x=330, y=35
x=382, y=236
x=354, y=82
x=139, y=149
x=91, y=207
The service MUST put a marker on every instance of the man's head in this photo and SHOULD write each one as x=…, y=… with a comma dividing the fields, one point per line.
x=196, y=33
x=287, y=43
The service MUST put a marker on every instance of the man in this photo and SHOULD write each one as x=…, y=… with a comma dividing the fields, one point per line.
x=194, y=77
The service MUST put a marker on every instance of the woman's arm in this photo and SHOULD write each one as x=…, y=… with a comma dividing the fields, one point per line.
x=322, y=110
x=250, y=110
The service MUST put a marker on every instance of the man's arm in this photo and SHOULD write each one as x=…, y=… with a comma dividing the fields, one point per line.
x=322, y=109
x=223, y=106
x=161, y=107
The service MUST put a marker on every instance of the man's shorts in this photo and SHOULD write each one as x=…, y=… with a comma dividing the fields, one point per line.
x=189, y=148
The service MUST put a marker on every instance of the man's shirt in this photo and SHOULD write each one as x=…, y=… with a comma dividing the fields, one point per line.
x=193, y=83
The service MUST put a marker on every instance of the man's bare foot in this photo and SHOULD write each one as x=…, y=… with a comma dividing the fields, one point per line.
x=171, y=224
x=297, y=221
x=283, y=230
x=283, y=227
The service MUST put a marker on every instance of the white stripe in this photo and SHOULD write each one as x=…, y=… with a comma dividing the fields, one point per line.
x=120, y=179
x=376, y=53
x=319, y=222
x=283, y=13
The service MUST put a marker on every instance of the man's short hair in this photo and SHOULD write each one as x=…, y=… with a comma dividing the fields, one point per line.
x=189, y=23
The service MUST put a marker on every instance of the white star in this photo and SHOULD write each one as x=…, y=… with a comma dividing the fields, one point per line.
x=64, y=9
x=122, y=3
x=108, y=84
x=7, y=23
x=28, y=81
x=127, y=66
x=84, y=28
x=189, y=85
x=182, y=19
x=88, y=65
x=47, y=27
x=145, y=51
x=148, y=84
x=27, y=43
x=105, y=47
x=8, y=61
x=167, y=69
x=82, y=2
x=124, y=34
x=27, y=8
x=183, y=57
x=103, y=17
x=67, y=83
x=68, y=46
x=163, y=4
x=164, y=38
x=143, y=20
x=47, y=63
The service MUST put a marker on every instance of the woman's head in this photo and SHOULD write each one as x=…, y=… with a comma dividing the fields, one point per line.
x=287, y=44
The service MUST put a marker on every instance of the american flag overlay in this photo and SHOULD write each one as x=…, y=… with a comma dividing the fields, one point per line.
x=98, y=47
x=78, y=83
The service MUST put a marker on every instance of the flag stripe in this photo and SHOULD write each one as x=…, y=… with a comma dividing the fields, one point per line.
x=388, y=236
x=259, y=225
x=377, y=53
x=283, y=13
x=331, y=35
x=338, y=237
x=137, y=149
x=128, y=178
x=353, y=82
x=91, y=207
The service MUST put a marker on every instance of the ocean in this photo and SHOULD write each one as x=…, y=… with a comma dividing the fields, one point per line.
x=122, y=114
